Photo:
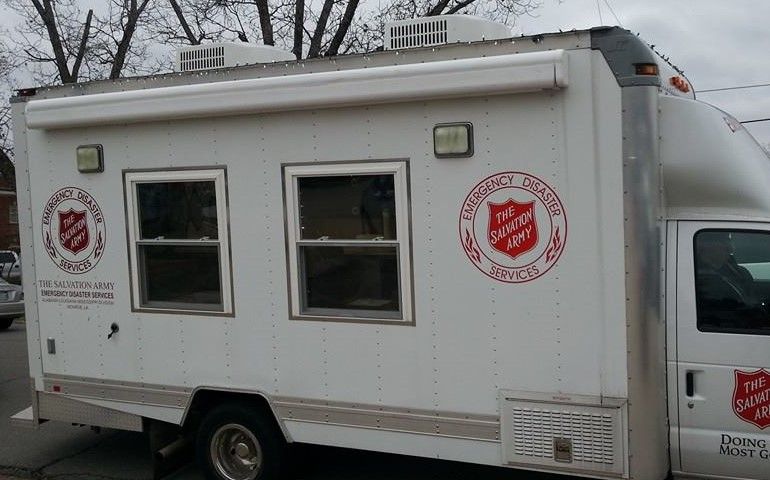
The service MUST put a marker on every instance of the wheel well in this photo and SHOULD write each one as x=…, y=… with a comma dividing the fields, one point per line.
x=204, y=400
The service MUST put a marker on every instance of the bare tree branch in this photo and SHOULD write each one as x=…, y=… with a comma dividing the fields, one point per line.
x=299, y=22
x=183, y=22
x=46, y=11
x=133, y=13
x=323, y=18
x=459, y=6
x=440, y=6
x=83, y=42
x=342, y=29
x=265, y=22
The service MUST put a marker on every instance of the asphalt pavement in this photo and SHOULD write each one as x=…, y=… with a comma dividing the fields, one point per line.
x=62, y=451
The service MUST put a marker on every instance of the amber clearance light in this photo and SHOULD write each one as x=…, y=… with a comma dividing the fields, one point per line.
x=646, y=69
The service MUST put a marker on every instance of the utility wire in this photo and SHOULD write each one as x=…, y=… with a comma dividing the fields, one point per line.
x=757, y=120
x=607, y=2
x=735, y=88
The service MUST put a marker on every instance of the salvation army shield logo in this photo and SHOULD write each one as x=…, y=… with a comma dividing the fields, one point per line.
x=751, y=397
x=513, y=227
x=74, y=232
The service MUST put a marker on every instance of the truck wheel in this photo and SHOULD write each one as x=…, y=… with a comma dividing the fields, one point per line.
x=5, y=323
x=236, y=441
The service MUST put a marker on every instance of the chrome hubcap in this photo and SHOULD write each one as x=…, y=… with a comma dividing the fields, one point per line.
x=235, y=452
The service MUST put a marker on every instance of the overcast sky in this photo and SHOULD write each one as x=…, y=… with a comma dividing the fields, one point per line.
x=718, y=43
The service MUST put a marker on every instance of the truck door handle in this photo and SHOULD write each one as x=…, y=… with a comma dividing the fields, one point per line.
x=690, y=383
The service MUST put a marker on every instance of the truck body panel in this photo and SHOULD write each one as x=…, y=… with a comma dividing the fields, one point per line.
x=528, y=276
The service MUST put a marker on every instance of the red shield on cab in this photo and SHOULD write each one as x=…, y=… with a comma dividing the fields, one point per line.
x=512, y=227
x=73, y=230
x=751, y=397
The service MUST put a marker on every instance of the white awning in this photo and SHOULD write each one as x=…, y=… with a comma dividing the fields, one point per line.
x=524, y=72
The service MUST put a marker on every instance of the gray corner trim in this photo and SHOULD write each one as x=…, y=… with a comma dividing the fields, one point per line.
x=623, y=51
x=643, y=233
x=379, y=417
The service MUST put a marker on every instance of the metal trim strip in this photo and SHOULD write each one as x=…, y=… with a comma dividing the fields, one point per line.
x=130, y=392
x=378, y=417
x=482, y=427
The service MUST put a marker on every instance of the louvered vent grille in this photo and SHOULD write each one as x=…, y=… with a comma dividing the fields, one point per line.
x=587, y=435
x=422, y=34
x=202, y=59
x=440, y=30
x=592, y=435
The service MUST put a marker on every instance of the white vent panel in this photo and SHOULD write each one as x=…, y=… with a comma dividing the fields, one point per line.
x=441, y=29
x=201, y=58
x=584, y=436
x=423, y=34
x=218, y=55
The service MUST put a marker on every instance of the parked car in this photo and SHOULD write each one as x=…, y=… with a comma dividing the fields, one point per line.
x=11, y=303
x=10, y=266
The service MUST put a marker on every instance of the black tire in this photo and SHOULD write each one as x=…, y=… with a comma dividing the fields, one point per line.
x=5, y=323
x=234, y=436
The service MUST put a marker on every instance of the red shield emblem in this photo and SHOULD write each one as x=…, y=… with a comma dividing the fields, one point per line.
x=512, y=227
x=73, y=230
x=751, y=397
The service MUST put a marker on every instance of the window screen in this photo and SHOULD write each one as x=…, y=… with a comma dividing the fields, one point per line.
x=732, y=281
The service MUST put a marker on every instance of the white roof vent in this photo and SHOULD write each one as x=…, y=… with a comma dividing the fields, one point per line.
x=218, y=55
x=441, y=29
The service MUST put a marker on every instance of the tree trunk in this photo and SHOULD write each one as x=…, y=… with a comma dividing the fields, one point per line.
x=299, y=28
x=440, y=6
x=265, y=23
x=183, y=22
x=315, y=42
x=459, y=6
x=49, y=20
x=342, y=30
x=82, y=48
x=132, y=19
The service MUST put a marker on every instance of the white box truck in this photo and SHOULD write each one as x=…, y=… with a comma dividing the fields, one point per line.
x=539, y=252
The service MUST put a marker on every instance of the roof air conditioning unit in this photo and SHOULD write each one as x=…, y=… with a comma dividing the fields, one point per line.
x=441, y=29
x=219, y=55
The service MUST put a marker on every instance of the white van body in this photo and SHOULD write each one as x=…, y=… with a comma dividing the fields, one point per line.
x=540, y=307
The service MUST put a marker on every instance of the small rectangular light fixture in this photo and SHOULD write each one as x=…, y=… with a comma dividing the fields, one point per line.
x=453, y=140
x=646, y=68
x=90, y=159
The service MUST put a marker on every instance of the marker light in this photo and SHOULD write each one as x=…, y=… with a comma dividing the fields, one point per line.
x=646, y=69
x=90, y=159
x=680, y=84
x=453, y=140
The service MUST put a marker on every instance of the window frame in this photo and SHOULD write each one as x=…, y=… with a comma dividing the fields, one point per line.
x=703, y=328
x=131, y=178
x=402, y=243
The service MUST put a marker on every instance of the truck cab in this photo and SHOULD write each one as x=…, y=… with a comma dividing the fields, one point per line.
x=718, y=291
